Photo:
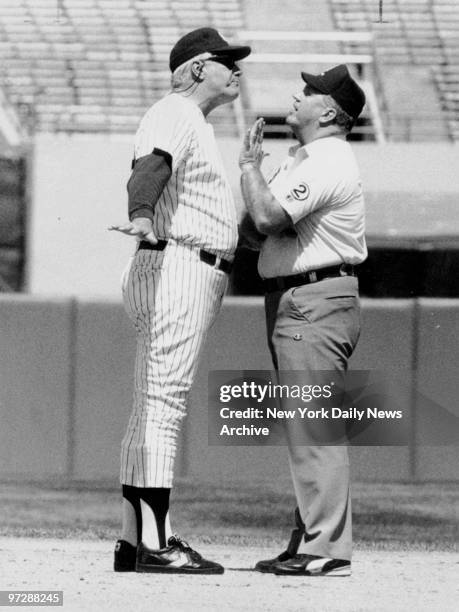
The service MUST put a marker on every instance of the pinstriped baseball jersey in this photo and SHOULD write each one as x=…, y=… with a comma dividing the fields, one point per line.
x=173, y=295
x=197, y=206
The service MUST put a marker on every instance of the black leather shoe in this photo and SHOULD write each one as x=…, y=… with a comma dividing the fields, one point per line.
x=267, y=565
x=176, y=558
x=312, y=565
x=125, y=555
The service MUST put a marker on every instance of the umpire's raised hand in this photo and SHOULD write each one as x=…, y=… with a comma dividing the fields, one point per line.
x=252, y=147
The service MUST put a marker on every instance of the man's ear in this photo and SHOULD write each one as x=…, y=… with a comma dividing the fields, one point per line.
x=196, y=70
x=328, y=116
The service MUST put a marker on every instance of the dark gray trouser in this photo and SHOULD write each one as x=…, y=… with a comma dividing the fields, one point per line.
x=316, y=327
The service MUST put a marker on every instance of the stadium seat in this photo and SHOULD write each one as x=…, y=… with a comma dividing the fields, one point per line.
x=419, y=33
x=107, y=51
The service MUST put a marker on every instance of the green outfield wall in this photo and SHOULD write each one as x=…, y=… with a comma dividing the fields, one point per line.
x=66, y=370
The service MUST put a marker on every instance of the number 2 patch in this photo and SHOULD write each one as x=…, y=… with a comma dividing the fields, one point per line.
x=300, y=192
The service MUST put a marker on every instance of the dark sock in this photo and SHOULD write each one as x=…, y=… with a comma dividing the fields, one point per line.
x=132, y=495
x=158, y=500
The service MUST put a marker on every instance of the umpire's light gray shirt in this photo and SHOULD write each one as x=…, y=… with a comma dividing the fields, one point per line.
x=319, y=186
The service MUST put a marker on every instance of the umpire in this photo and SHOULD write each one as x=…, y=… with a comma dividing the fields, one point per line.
x=312, y=212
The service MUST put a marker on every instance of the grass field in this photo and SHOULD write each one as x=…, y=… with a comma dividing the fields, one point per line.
x=386, y=516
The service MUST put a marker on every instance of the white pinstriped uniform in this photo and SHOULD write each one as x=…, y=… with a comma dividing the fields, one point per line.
x=171, y=296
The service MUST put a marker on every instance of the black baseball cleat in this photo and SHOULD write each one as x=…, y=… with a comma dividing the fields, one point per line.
x=312, y=565
x=176, y=558
x=267, y=565
x=125, y=555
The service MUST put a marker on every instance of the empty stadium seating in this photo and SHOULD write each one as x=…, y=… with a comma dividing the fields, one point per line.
x=85, y=65
x=12, y=223
x=97, y=65
x=419, y=33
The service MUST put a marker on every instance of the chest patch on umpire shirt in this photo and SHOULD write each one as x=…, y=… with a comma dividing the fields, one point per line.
x=300, y=192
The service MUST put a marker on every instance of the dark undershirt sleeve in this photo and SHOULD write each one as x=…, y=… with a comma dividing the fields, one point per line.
x=146, y=183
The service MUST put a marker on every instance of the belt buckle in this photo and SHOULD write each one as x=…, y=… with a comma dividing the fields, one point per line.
x=312, y=276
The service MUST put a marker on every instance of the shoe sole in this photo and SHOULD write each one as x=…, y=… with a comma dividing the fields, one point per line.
x=339, y=572
x=123, y=568
x=158, y=569
x=264, y=570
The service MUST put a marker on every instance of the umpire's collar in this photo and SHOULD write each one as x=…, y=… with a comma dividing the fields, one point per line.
x=303, y=151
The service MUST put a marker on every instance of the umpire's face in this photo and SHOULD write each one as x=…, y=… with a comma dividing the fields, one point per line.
x=221, y=78
x=308, y=106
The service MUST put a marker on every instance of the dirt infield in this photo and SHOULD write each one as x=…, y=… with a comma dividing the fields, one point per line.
x=381, y=581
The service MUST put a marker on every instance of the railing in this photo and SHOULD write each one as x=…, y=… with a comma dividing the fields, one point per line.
x=409, y=128
x=10, y=125
x=363, y=59
x=423, y=33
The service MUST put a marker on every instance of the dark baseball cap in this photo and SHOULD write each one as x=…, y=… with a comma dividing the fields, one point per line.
x=201, y=41
x=338, y=83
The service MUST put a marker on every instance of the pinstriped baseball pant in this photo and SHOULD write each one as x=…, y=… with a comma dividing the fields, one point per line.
x=172, y=298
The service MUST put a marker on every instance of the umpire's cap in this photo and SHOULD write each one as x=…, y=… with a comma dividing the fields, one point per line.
x=338, y=83
x=201, y=41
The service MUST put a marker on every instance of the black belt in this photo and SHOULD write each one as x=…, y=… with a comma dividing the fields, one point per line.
x=281, y=283
x=209, y=258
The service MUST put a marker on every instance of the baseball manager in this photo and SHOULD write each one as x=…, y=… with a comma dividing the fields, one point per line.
x=312, y=212
x=182, y=212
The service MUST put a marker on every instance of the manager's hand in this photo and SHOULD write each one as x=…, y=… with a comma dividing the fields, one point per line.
x=140, y=227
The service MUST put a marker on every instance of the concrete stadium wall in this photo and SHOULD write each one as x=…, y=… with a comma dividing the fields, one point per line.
x=78, y=189
x=66, y=384
x=437, y=380
x=36, y=385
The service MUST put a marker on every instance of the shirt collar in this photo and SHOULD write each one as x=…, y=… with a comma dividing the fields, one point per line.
x=192, y=104
x=303, y=151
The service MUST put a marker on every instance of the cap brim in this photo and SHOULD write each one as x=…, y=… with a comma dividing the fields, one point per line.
x=315, y=81
x=237, y=53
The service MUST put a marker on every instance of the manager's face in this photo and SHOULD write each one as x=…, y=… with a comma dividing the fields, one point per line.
x=222, y=78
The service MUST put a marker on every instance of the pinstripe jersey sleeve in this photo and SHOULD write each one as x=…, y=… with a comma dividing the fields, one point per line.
x=165, y=127
x=196, y=206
